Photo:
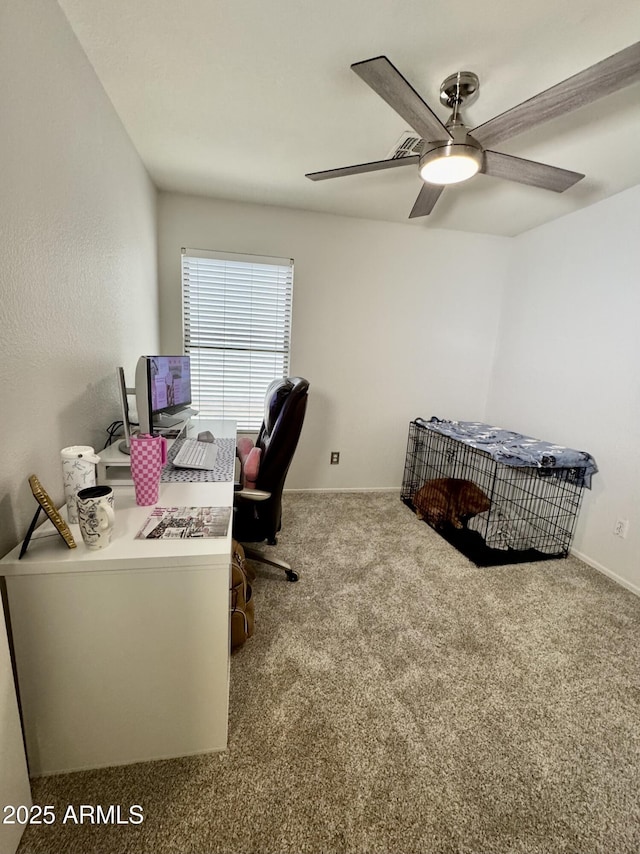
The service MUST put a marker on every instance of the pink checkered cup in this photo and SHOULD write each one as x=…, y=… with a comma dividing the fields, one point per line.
x=148, y=455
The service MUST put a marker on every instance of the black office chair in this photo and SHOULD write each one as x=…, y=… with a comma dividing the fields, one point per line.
x=258, y=511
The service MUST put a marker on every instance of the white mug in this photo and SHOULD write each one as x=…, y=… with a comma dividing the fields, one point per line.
x=95, y=515
x=78, y=472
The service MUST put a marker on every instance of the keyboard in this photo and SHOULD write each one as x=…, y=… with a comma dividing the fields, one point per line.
x=196, y=455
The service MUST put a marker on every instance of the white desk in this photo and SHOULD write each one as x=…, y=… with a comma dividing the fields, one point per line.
x=123, y=653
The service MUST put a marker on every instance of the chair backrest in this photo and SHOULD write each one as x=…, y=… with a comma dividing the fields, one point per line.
x=284, y=410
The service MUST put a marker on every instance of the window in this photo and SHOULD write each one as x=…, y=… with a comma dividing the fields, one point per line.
x=237, y=330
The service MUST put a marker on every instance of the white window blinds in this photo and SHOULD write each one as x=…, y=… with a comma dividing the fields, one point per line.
x=237, y=330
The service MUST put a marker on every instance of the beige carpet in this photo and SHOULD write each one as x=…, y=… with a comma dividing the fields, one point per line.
x=398, y=699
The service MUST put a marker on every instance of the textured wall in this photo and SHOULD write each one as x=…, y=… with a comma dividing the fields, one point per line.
x=78, y=250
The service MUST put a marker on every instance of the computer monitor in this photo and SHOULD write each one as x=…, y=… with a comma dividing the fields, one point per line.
x=163, y=389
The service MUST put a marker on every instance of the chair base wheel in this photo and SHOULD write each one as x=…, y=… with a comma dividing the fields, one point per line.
x=292, y=575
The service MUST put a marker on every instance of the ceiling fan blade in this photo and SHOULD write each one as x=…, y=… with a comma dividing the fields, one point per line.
x=375, y=166
x=427, y=197
x=617, y=71
x=529, y=172
x=385, y=79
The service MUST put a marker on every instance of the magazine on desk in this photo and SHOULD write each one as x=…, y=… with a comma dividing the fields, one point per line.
x=180, y=523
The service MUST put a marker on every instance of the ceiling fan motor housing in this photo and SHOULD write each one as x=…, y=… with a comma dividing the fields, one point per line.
x=460, y=146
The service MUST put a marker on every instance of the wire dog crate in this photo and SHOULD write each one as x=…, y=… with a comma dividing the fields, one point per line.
x=492, y=512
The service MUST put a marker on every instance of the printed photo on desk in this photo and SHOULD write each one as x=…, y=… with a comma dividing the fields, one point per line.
x=175, y=523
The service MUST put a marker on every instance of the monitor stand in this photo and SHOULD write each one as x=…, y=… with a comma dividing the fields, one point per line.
x=163, y=420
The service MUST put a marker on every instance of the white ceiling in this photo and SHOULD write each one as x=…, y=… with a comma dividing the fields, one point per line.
x=237, y=99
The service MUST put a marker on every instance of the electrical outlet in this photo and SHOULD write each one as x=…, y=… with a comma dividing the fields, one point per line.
x=335, y=458
x=621, y=527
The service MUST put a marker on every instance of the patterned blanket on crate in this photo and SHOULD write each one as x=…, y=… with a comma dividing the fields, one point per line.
x=515, y=449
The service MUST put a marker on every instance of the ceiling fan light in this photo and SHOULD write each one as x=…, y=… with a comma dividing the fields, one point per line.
x=450, y=164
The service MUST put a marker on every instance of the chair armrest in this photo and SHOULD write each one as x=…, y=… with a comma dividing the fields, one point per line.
x=252, y=494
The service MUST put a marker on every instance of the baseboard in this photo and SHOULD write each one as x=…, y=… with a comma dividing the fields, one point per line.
x=603, y=569
x=350, y=489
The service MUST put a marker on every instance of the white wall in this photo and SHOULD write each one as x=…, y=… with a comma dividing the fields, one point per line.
x=79, y=291
x=78, y=250
x=389, y=323
x=567, y=364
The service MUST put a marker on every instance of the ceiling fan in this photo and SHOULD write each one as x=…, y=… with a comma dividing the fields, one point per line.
x=451, y=153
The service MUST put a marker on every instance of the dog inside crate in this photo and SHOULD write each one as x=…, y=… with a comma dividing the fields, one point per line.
x=449, y=501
